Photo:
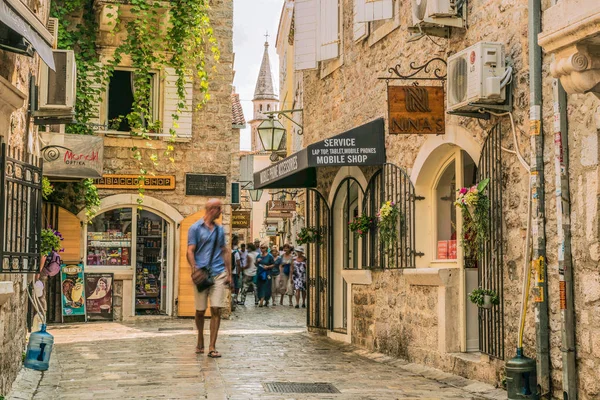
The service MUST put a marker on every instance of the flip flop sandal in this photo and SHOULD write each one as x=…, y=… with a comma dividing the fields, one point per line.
x=214, y=354
x=199, y=350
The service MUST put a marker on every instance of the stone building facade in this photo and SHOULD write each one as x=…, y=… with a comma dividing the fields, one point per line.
x=16, y=70
x=423, y=313
x=206, y=149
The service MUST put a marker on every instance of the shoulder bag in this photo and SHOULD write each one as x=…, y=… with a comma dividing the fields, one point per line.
x=201, y=276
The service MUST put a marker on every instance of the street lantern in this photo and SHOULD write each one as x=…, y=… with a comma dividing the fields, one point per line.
x=271, y=133
x=262, y=234
x=255, y=194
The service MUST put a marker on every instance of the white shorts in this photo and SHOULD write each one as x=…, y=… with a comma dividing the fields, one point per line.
x=217, y=294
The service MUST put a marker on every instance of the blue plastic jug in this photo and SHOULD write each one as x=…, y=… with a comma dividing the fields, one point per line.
x=39, y=350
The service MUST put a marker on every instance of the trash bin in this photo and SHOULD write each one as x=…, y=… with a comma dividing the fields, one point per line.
x=39, y=349
x=521, y=377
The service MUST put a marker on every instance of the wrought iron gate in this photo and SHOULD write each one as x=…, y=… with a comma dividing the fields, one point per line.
x=491, y=276
x=319, y=255
x=391, y=183
x=20, y=211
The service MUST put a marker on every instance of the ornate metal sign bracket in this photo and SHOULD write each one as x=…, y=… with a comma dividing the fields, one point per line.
x=432, y=70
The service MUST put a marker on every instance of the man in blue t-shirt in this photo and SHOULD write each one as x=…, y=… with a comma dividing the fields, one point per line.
x=206, y=248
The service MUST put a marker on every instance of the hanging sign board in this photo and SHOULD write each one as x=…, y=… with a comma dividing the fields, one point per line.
x=72, y=156
x=240, y=219
x=278, y=205
x=156, y=182
x=271, y=230
x=205, y=185
x=279, y=214
x=364, y=145
x=99, y=297
x=72, y=287
x=416, y=110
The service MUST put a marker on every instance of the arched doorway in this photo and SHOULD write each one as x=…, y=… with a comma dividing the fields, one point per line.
x=346, y=255
x=138, y=247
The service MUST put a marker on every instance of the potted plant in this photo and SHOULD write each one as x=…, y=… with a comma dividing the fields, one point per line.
x=387, y=224
x=475, y=205
x=308, y=235
x=361, y=225
x=484, y=298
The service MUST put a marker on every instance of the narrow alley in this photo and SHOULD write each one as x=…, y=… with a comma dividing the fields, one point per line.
x=152, y=359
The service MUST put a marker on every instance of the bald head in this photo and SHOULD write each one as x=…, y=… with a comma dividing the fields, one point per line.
x=213, y=209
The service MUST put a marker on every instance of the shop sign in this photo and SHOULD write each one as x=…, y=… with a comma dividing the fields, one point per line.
x=271, y=230
x=73, y=156
x=205, y=185
x=364, y=145
x=72, y=289
x=156, y=182
x=416, y=110
x=278, y=205
x=240, y=219
x=278, y=214
x=99, y=296
x=288, y=166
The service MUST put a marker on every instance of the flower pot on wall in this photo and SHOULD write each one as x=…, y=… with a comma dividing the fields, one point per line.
x=487, y=301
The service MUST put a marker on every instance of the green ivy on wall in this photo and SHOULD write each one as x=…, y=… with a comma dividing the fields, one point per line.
x=186, y=45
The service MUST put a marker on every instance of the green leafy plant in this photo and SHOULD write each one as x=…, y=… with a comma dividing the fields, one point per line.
x=388, y=216
x=187, y=45
x=51, y=241
x=308, y=235
x=475, y=205
x=91, y=199
x=477, y=296
x=362, y=225
x=47, y=188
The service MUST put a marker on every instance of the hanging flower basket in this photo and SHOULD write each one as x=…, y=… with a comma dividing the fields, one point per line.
x=51, y=241
x=308, y=235
x=484, y=298
x=475, y=205
x=362, y=225
x=388, y=217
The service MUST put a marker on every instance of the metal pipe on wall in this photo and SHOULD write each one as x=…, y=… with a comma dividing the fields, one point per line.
x=538, y=202
x=563, y=222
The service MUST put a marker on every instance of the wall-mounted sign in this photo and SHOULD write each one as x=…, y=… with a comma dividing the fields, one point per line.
x=72, y=156
x=98, y=296
x=240, y=219
x=271, y=230
x=278, y=205
x=279, y=214
x=157, y=182
x=72, y=289
x=205, y=185
x=364, y=145
x=416, y=110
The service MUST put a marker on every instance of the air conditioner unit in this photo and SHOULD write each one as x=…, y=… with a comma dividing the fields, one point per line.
x=475, y=77
x=436, y=13
x=58, y=88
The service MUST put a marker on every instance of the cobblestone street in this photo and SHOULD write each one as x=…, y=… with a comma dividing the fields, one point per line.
x=154, y=359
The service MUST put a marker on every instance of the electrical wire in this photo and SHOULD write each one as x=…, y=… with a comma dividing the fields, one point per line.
x=34, y=301
x=507, y=77
x=526, y=272
x=517, y=150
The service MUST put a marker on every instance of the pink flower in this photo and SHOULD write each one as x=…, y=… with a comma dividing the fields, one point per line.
x=359, y=232
x=463, y=191
x=473, y=189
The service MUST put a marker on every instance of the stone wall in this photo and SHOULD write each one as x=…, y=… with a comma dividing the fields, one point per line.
x=392, y=317
x=16, y=69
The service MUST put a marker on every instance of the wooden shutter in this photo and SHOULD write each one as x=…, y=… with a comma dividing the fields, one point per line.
x=329, y=30
x=100, y=89
x=361, y=29
x=183, y=125
x=373, y=10
x=305, y=34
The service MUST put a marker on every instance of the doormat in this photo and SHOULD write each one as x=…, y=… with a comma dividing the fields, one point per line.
x=297, y=387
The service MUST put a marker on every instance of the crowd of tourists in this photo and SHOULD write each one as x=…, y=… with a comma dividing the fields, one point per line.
x=270, y=272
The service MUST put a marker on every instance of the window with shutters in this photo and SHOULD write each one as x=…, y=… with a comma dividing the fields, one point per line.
x=383, y=27
x=119, y=99
x=331, y=34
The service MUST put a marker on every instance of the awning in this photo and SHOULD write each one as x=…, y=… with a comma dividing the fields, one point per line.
x=361, y=146
x=20, y=19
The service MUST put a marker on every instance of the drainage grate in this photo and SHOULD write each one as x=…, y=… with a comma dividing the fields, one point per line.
x=297, y=387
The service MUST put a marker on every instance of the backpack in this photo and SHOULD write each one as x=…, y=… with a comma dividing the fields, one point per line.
x=52, y=265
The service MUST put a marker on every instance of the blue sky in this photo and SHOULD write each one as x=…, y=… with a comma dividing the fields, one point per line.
x=251, y=20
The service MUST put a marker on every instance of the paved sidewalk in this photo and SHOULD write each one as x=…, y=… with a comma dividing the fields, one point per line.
x=154, y=359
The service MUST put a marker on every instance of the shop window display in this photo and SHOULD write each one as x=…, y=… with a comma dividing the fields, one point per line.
x=109, y=239
x=150, y=269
